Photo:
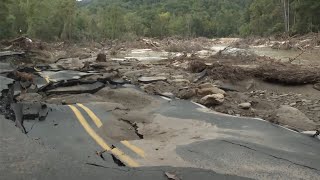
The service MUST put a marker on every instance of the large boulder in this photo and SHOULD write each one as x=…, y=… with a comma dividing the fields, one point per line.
x=213, y=99
x=245, y=105
x=316, y=86
x=287, y=115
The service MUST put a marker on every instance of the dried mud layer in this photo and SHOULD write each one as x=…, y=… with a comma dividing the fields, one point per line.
x=240, y=84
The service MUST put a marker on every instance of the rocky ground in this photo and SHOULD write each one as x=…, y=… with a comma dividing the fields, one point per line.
x=231, y=80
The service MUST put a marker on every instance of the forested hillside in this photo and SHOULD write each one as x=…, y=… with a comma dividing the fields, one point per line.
x=127, y=19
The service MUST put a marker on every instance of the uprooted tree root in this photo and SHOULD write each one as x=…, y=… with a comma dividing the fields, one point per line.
x=273, y=72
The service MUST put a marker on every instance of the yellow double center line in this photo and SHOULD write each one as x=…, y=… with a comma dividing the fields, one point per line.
x=115, y=151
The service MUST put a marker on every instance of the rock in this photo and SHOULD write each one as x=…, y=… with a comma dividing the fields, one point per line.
x=186, y=93
x=245, y=105
x=181, y=81
x=317, y=86
x=206, y=85
x=171, y=176
x=152, y=79
x=293, y=104
x=294, y=118
x=213, y=99
x=29, y=97
x=211, y=90
x=101, y=57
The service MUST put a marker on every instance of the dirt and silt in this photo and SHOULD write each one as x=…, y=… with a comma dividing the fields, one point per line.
x=274, y=79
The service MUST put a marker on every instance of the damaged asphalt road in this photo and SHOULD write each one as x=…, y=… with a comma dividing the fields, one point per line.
x=81, y=125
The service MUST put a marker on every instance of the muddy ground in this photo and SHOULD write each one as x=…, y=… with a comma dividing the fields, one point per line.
x=222, y=74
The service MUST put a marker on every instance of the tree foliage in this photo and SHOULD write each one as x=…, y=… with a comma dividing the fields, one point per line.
x=114, y=19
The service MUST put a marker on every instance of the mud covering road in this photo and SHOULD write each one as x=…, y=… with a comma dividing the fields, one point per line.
x=137, y=119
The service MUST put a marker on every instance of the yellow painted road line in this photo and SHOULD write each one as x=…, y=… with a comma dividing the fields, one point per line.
x=98, y=122
x=134, y=148
x=89, y=130
x=123, y=157
x=95, y=119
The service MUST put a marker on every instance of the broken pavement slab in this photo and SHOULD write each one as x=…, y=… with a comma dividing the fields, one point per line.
x=78, y=89
x=63, y=163
x=4, y=82
x=5, y=68
x=63, y=75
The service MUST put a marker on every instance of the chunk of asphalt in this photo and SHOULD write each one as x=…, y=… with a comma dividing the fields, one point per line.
x=16, y=88
x=74, y=82
x=78, y=89
x=32, y=111
x=10, y=53
x=5, y=68
x=4, y=82
x=152, y=79
x=63, y=75
x=40, y=82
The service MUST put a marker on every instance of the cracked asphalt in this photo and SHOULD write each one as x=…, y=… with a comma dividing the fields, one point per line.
x=81, y=129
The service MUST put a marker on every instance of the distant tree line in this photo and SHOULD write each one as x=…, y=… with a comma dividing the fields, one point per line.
x=128, y=19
